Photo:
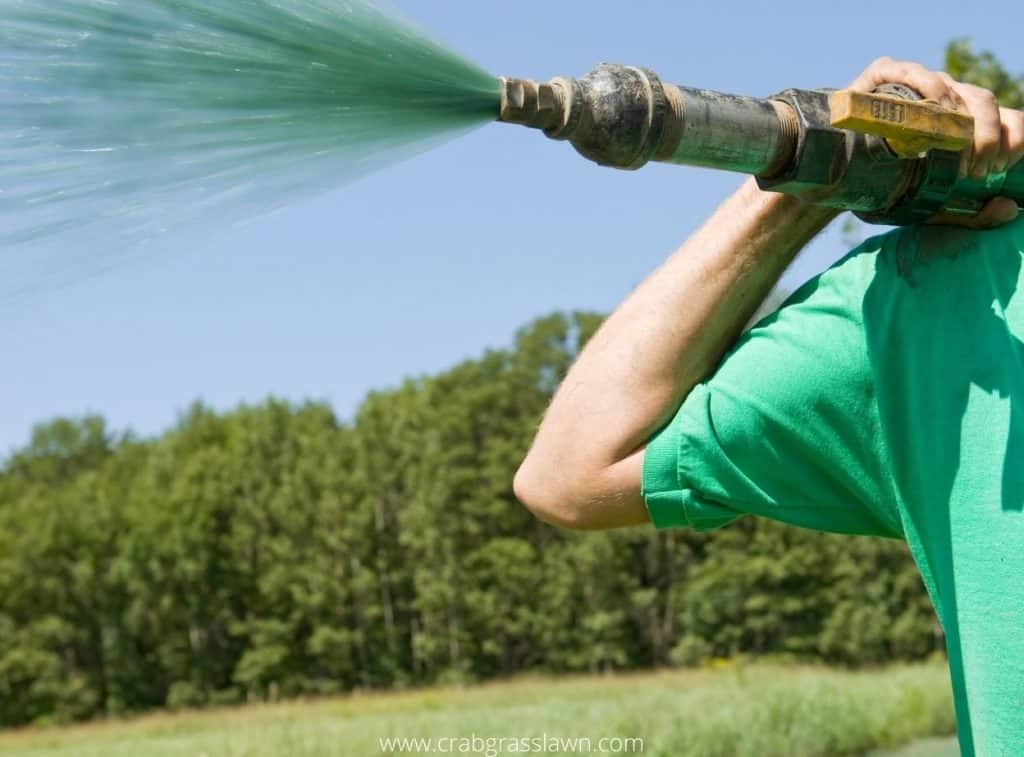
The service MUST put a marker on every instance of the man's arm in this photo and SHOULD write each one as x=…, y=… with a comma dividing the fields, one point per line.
x=584, y=468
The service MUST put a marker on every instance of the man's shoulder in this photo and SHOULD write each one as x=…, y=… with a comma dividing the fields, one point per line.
x=924, y=260
x=950, y=250
x=912, y=275
x=927, y=280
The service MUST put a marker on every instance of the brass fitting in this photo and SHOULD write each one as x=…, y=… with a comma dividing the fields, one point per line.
x=538, y=105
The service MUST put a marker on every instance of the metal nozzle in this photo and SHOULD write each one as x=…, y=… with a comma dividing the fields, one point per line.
x=624, y=116
x=614, y=115
x=530, y=103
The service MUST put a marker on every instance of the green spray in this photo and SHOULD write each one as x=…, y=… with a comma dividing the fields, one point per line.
x=123, y=119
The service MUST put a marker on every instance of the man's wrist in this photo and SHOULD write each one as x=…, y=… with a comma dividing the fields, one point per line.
x=777, y=206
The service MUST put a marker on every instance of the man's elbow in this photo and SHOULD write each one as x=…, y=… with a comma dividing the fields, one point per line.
x=550, y=498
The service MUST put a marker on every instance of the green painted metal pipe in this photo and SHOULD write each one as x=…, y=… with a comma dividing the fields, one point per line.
x=624, y=116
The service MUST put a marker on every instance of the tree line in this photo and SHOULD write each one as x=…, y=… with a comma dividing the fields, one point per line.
x=275, y=551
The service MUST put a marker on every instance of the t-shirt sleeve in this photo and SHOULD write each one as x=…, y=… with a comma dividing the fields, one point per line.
x=786, y=428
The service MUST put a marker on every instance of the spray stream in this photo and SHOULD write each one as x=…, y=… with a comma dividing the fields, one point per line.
x=121, y=119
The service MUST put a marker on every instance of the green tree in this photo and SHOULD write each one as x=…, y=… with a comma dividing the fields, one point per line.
x=985, y=70
x=273, y=551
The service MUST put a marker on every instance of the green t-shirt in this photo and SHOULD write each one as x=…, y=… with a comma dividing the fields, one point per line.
x=885, y=398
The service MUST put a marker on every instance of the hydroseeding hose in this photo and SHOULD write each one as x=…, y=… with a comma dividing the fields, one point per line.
x=888, y=156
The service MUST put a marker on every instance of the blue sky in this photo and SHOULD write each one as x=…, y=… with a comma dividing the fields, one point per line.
x=431, y=261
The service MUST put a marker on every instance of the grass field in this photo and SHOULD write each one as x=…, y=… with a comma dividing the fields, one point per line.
x=926, y=748
x=733, y=711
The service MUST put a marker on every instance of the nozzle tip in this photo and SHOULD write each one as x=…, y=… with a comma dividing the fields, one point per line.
x=526, y=102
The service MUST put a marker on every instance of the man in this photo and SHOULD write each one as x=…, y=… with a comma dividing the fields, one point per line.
x=885, y=398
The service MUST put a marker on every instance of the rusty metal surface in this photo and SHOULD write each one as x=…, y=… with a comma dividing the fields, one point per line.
x=729, y=132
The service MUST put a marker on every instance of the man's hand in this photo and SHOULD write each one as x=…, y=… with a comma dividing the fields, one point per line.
x=998, y=132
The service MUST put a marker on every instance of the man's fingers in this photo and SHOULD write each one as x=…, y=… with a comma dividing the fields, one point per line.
x=929, y=84
x=1012, y=138
x=988, y=130
x=998, y=211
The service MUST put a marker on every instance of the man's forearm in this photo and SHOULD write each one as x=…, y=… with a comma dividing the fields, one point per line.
x=668, y=335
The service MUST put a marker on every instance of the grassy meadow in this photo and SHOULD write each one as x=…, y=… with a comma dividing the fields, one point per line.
x=730, y=711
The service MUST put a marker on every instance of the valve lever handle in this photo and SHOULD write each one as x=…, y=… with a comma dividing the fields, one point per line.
x=910, y=127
